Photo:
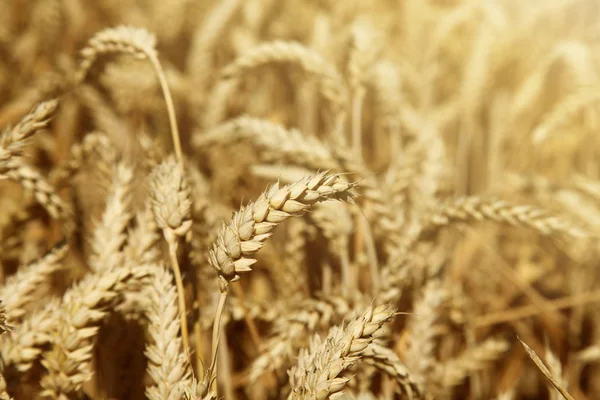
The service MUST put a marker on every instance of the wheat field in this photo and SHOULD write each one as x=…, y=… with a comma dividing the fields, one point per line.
x=299, y=199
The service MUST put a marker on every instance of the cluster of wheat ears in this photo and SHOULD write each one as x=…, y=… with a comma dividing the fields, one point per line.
x=437, y=161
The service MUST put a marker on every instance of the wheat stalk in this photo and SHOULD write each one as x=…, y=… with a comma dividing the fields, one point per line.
x=141, y=44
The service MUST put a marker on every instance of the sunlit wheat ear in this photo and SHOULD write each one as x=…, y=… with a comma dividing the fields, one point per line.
x=19, y=289
x=167, y=363
x=110, y=232
x=13, y=140
x=316, y=376
x=477, y=209
x=141, y=44
x=84, y=306
x=254, y=223
x=171, y=205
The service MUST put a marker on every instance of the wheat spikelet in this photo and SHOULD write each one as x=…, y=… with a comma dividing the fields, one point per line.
x=316, y=373
x=250, y=227
x=199, y=390
x=142, y=240
x=294, y=278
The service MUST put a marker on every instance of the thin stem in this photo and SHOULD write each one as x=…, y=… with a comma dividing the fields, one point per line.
x=180, y=295
x=198, y=340
x=216, y=332
x=225, y=368
x=170, y=107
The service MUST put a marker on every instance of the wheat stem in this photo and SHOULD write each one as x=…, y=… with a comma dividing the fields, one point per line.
x=170, y=107
x=180, y=295
x=216, y=332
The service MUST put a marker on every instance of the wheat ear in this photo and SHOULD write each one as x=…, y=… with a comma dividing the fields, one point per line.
x=474, y=209
x=141, y=44
x=171, y=206
x=83, y=307
x=19, y=288
x=23, y=347
x=316, y=376
x=330, y=83
x=167, y=364
x=110, y=233
x=301, y=320
x=13, y=140
x=254, y=223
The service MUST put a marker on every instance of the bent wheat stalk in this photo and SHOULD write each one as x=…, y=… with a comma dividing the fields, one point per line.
x=141, y=44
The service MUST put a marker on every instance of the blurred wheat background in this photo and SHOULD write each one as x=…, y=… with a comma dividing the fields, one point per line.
x=301, y=199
